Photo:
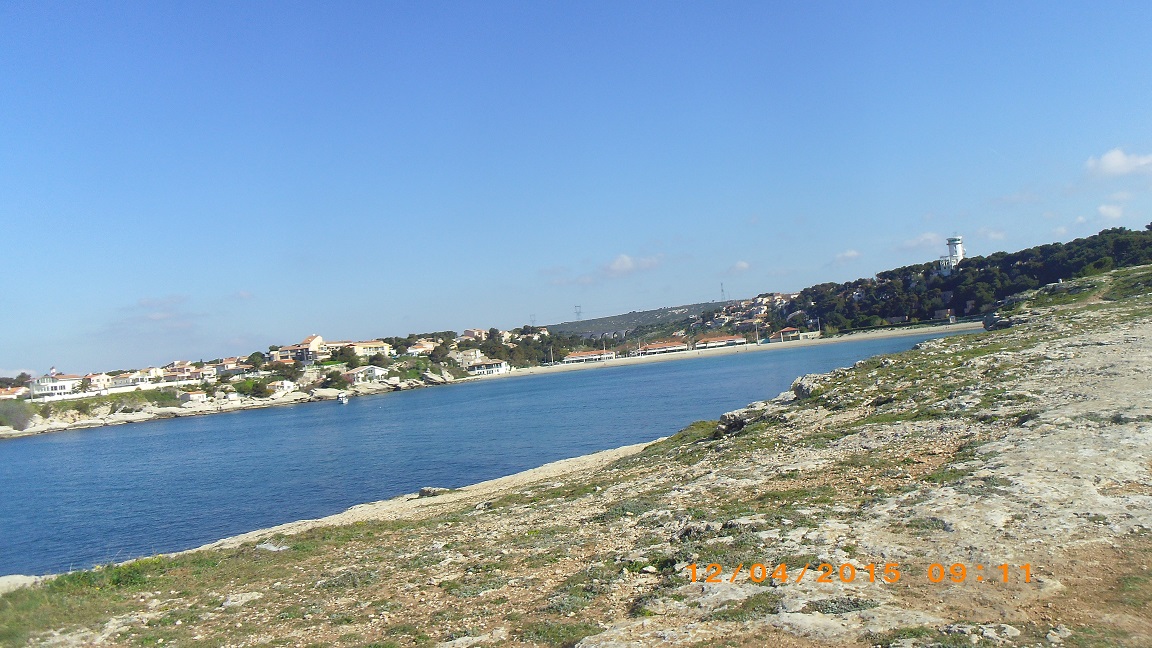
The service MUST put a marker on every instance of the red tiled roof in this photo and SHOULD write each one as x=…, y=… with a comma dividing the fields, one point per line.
x=721, y=338
x=662, y=345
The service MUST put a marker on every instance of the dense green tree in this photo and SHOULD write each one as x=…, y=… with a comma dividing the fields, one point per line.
x=334, y=380
x=257, y=359
x=16, y=413
x=18, y=381
x=286, y=371
x=254, y=388
x=347, y=356
x=978, y=283
x=439, y=354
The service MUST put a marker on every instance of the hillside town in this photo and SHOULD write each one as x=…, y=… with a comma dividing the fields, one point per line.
x=316, y=363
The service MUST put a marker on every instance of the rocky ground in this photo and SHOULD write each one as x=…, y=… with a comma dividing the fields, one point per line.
x=1023, y=453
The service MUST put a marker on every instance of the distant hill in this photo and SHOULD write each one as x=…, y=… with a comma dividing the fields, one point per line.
x=629, y=321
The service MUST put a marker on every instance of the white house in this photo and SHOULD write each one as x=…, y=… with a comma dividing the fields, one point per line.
x=421, y=347
x=662, y=347
x=717, y=341
x=98, y=382
x=193, y=397
x=488, y=368
x=310, y=349
x=54, y=384
x=589, y=356
x=368, y=373
x=371, y=348
x=281, y=386
x=467, y=356
x=785, y=335
x=128, y=379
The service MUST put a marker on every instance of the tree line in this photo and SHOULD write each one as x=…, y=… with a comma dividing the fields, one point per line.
x=975, y=286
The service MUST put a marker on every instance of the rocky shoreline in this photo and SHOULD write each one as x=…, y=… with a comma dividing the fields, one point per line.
x=1022, y=454
x=73, y=420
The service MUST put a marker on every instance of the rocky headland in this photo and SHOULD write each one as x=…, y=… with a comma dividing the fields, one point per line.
x=1022, y=454
x=106, y=413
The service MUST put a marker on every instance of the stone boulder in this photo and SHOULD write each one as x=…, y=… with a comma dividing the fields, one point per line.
x=806, y=385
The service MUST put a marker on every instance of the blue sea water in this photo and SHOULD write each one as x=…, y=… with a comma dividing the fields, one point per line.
x=71, y=500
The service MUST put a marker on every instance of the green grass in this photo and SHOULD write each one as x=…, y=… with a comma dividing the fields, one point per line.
x=1097, y=637
x=78, y=599
x=823, y=439
x=924, y=636
x=917, y=414
x=1135, y=591
x=560, y=635
x=839, y=605
x=568, y=492
x=348, y=579
x=927, y=524
x=1125, y=284
x=756, y=606
x=634, y=506
x=947, y=475
x=86, y=598
x=579, y=589
x=687, y=446
x=477, y=579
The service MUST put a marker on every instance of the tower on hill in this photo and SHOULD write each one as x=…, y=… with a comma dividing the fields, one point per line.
x=955, y=255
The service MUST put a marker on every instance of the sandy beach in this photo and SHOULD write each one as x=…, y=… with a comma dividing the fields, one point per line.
x=747, y=348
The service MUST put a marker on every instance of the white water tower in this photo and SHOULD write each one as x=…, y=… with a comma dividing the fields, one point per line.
x=956, y=249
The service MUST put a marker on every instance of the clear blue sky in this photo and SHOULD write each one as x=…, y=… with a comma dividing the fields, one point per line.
x=193, y=180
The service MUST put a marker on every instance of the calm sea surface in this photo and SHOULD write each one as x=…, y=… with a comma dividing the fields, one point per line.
x=70, y=500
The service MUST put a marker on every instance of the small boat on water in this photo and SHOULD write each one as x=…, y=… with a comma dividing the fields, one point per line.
x=342, y=397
